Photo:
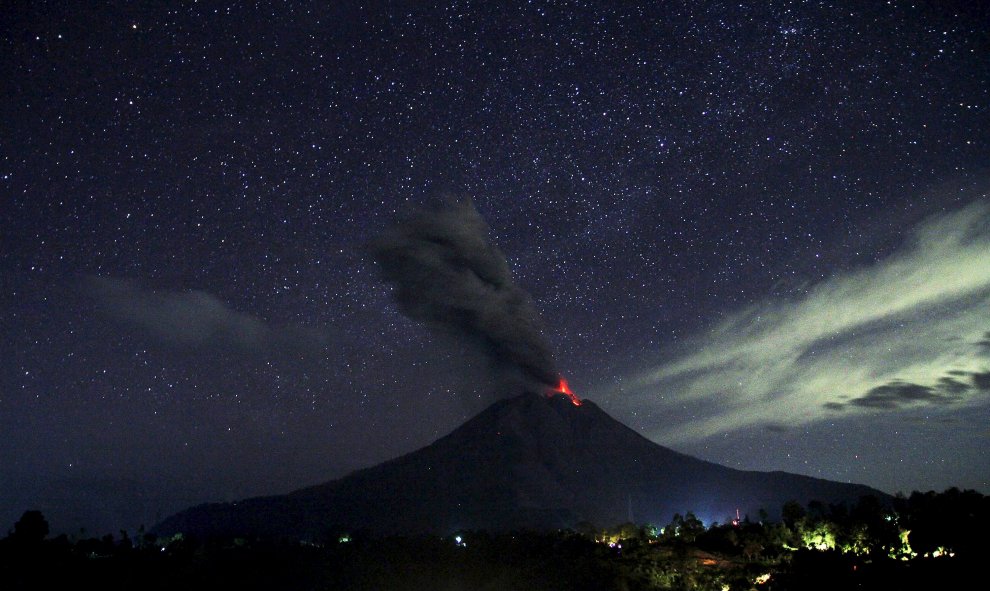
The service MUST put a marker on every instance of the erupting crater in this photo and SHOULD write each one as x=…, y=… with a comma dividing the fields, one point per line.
x=565, y=390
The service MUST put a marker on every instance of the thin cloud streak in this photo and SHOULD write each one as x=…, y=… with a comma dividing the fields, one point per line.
x=913, y=323
x=195, y=319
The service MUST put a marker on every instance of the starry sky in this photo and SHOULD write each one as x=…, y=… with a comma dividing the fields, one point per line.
x=756, y=232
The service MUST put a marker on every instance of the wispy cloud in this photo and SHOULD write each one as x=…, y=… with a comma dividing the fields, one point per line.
x=194, y=318
x=907, y=331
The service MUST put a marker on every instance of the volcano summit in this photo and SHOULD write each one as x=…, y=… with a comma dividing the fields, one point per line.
x=524, y=462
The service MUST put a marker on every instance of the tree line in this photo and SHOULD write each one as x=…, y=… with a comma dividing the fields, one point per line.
x=909, y=542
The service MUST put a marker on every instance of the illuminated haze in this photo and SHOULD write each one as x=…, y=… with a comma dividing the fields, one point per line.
x=908, y=334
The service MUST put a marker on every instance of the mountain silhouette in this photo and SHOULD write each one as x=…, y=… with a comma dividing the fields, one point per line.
x=525, y=462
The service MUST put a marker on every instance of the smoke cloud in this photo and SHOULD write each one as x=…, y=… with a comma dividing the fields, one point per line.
x=449, y=276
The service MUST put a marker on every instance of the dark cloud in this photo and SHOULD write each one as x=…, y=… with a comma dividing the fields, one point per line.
x=970, y=382
x=447, y=275
x=895, y=395
x=194, y=318
x=776, y=428
x=951, y=386
x=981, y=381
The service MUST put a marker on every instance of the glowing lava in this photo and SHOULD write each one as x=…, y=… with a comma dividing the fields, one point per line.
x=564, y=389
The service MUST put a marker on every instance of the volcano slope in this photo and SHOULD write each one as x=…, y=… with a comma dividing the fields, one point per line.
x=529, y=462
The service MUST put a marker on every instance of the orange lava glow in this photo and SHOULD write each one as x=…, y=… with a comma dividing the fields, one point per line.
x=564, y=389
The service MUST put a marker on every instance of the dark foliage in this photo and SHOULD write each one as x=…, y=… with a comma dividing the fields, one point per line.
x=866, y=553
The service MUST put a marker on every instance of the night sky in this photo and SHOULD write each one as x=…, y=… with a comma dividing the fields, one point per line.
x=757, y=233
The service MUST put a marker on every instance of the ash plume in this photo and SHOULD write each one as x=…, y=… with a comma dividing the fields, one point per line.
x=449, y=276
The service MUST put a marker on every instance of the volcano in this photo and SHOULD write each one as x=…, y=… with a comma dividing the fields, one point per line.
x=529, y=462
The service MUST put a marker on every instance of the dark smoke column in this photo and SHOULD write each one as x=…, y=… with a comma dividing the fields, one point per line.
x=449, y=276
